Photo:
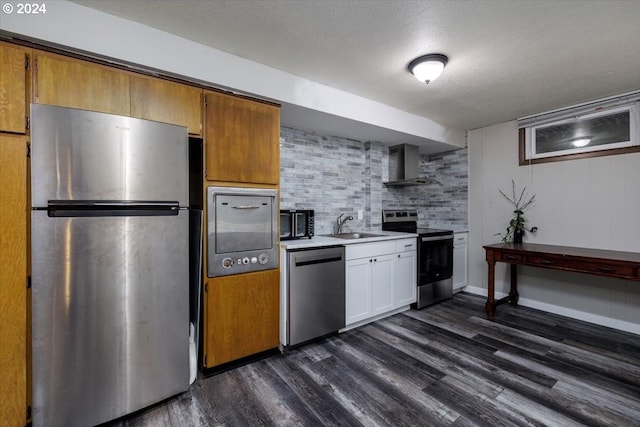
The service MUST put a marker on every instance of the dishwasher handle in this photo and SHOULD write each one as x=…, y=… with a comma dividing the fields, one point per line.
x=316, y=256
x=310, y=260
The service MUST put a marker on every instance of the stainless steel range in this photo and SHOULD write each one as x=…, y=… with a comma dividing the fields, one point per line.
x=435, y=255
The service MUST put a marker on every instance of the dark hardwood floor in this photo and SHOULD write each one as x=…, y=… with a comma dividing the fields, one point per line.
x=446, y=365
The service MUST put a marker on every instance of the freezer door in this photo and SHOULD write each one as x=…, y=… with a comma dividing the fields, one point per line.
x=110, y=315
x=85, y=155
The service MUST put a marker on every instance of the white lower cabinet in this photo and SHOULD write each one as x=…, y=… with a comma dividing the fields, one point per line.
x=406, y=278
x=380, y=278
x=382, y=283
x=358, y=289
x=460, y=266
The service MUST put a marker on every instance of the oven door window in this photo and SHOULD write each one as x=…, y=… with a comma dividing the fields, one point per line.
x=436, y=260
x=243, y=223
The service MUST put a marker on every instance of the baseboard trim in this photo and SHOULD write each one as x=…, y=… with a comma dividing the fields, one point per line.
x=621, y=325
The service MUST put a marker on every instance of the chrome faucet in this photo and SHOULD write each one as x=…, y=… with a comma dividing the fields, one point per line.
x=341, y=222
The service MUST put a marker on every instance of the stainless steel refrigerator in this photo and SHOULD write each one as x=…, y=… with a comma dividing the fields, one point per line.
x=110, y=264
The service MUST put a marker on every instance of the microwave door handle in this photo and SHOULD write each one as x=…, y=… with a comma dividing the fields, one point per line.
x=246, y=207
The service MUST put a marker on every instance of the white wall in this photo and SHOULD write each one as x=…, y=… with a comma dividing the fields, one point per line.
x=591, y=203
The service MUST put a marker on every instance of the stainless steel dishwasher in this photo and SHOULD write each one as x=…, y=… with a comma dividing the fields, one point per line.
x=316, y=293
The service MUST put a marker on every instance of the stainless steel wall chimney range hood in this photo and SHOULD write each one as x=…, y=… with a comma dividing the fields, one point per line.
x=404, y=161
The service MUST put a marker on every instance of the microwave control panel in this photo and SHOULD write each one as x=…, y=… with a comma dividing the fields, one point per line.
x=262, y=259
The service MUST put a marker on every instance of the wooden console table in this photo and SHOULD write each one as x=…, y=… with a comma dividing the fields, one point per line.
x=622, y=265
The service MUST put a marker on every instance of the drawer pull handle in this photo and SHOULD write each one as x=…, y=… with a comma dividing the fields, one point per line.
x=410, y=245
x=546, y=262
x=606, y=269
x=512, y=257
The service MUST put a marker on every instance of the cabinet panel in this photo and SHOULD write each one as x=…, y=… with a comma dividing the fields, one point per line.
x=382, y=283
x=242, y=140
x=241, y=316
x=459, y=261
x=164, y=101
x=358, y=292
x=406, y=245
x=13, y=277
x=406, y=279
x=371, y=249
x=79, y=84
x=13, y=88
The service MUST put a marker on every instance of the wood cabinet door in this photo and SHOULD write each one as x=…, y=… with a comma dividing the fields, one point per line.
x=406, y=285
x=73, y=83
x=242, y=316
x=13, y=280
x=168, y=102
x=13, y=88
x=382, y=283
x=242, y=140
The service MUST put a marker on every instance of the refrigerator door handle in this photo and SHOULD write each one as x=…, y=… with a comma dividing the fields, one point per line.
x=102, y=208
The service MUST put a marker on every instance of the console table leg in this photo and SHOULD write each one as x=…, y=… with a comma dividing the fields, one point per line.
x=490, y=306
x=513, y=294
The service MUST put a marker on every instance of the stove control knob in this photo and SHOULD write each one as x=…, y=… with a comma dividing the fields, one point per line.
x=263, y=258
x=245, y=260
x=227, y=262
x=254, y=260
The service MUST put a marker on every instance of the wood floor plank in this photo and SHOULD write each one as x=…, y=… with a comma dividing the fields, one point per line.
x=325, y=409
x=445, y=365
x=532, y=412
x=403, y=385
x=611, y=406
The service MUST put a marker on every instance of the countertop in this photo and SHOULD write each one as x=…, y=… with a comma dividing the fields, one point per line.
x=318, y=241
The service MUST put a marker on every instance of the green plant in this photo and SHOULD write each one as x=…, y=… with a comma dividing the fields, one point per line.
x=517, y=224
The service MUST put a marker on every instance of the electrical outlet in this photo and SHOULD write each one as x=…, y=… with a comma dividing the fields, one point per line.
x=360, y=214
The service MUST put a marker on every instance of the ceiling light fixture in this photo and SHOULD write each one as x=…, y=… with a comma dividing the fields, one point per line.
x=427, y=68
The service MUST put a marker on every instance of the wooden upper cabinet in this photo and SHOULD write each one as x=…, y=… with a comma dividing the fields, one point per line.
x=73, y=83
x=168, y=102
x=242, y=140
x=13, y=88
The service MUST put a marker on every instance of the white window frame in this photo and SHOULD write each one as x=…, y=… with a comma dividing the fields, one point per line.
x=634, y=139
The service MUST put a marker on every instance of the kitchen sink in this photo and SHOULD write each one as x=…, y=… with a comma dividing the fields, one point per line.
x=354, y=235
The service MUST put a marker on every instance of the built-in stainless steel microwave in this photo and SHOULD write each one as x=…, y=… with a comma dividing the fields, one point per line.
x=241, y=230
x=296, y=224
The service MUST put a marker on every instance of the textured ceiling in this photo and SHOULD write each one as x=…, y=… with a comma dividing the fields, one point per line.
x=507, y=59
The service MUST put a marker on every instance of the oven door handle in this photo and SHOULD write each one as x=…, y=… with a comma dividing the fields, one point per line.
x=245, y=207
x=434, y=238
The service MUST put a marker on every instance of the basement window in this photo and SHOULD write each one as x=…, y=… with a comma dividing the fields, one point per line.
x=570, y=135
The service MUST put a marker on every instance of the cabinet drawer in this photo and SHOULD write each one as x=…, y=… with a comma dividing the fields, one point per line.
x=506, y=257
x=459, y=238
x=546, y=261
x=363, y=250
x=611, y=270
x=598, y=267
x=405, y=245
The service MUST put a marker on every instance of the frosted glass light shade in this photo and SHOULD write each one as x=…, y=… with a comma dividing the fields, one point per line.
x=427, y=68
